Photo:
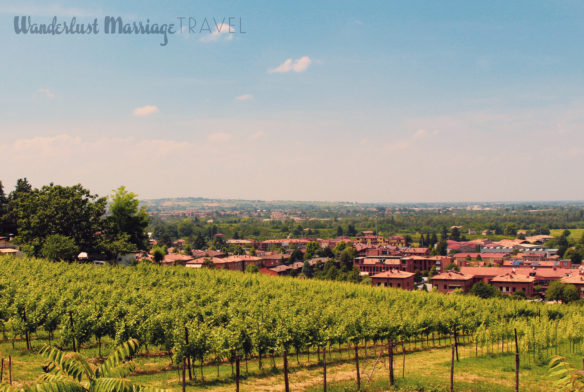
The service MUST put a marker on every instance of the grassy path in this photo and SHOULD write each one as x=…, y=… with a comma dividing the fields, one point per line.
x=427, y=370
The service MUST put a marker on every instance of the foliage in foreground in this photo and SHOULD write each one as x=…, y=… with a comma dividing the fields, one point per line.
x=567, y=378
x=211, y=315
x=72, y=372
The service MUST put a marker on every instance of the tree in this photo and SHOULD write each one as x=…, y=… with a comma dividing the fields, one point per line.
x=311, y=250
x=520, y=294
x=185, y=228
x=295, y=256
x=59, y=247
x=72, y=372
x=114, y=247
x=351, y=231
x=307, y=269
x=455, y=234
x=443, y=234
x=158, y=254
x=70, y=211
x=127, y=217
x=346, y=258
x=208, y=263
x=484, y=290
x=510, y=229
x=432, y=272
x=433, y=239
x=252, y=269
x=452, y=266
x=418, y=278
x=237, y=250
x=570, y=294
x=339, y=247
x=441, y=248
x=339, y=231
x=3, y=210
x=559, y=291
x=199, y=242
x=8, y=223
x=575, y=254
x=326, y=252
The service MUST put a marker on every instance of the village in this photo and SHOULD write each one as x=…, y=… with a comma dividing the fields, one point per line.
x=523, y=267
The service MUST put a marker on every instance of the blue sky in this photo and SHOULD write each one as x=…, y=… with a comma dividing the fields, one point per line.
x=375, y=101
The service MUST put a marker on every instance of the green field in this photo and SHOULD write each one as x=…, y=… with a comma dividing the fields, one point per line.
x=210, y=316
x=575, y=234
x=425, y=369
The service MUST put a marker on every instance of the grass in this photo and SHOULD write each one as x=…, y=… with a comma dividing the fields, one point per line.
x=425, y=370
x=575, y=234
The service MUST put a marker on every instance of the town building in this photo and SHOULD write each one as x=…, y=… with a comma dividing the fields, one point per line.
x=394, y=278
x=512, y=282
x=449, y=281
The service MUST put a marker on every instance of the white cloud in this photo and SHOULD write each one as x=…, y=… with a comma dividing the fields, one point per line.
x=257, y=135
x=298, y=65
x=46, y=92
x=219, y=137
x=222, y=31
x=145, y=110
x=419, y=134
x=244, y=97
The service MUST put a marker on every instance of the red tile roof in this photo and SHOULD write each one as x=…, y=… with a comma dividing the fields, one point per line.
x=452, y=275
x=574, y=278
x=394, y=274
x=512, y=277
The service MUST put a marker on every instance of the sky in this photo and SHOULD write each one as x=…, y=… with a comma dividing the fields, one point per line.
x=368, y=101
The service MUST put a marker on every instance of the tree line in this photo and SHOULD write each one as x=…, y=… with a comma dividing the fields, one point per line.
x=58, y=222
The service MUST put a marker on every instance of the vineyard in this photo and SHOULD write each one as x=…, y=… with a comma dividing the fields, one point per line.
x=205, y=318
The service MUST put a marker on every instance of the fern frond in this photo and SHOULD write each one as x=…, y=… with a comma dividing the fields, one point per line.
x=108, y=384
x=72, y=364
x=567, y=378
x=123, y=352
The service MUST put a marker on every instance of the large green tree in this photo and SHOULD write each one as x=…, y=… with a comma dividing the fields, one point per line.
x=71, y=211
x=8, y=224
x=559, y=291
x=58, y=247
x=127, y=217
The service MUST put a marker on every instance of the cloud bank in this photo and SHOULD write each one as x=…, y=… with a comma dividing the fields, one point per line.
x=290, y=65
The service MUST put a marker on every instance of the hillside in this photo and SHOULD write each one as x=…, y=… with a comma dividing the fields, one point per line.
x=227, y=313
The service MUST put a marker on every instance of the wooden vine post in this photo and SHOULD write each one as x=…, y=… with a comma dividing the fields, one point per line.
x=324, y=370
x=184, y=383
x=2, y=369
x=237, y=373
x=10, y=370
x=188, y=357
x=286, y=384
x=452, y=369
x=404, y=360
x=516, y=363
x=390, y=360
x=71, y=324
x=456, y=341
x=357, y=366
